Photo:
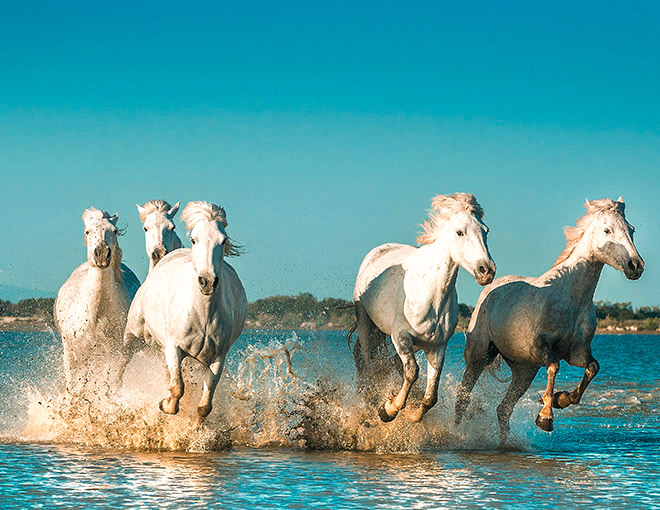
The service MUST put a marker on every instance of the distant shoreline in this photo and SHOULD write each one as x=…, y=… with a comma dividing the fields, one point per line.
x=43, y=324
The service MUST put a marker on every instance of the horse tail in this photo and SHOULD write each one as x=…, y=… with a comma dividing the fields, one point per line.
x=493, y=368
x=349, y=334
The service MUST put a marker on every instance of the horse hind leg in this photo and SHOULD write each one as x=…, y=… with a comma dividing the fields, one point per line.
x=562, y=399
x=404, y=347
x=521, y=379
x=478, y=355
x=173, y=357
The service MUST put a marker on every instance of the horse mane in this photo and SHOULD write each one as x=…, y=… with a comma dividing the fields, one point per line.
x=198, y=211
x=93, y=211
x=442, y=207
x=575, y=234
x=151, y=206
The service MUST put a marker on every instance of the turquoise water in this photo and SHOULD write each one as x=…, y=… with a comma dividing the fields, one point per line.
x=303, y=440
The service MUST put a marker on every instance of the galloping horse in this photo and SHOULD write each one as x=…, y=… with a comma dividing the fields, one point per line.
x=192, y=304
x=535, y=322
x=91, y=308
x=157, y=221
x=409, y=294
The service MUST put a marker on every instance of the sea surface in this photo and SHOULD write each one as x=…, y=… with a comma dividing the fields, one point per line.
x=289, y=431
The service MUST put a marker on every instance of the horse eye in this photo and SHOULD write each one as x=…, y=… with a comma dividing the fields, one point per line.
x=86, y=232
x=145, y=229
x=459, y=233
x=192, y=240
x=607, y=231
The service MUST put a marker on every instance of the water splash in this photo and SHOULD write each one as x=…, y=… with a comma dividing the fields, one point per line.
x=284, y=390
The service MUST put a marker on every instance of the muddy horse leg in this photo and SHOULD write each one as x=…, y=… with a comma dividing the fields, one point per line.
x=544, y=420
x=173, y=358
x=562, y=399
x=435, y=360
x=404, y=347
x=210, y=382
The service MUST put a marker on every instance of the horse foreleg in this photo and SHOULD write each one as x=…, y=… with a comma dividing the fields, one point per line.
x=173, y=358
x=392, y=406
x=435, y=360
x=210, y=382
x=562, y=399
x=544, y=420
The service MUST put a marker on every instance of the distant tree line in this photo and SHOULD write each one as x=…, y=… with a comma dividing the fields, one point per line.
x=32, y=307
x=304, y=310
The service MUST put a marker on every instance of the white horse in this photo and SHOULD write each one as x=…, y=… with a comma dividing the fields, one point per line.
x=409, y=294
x=157, y=218
x=535, y=322
x=192, y=304
x=91, y=308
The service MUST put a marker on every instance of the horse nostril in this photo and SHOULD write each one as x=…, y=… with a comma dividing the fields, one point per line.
x=215, y=282
x=201, y=280
x=632, y=265
x=483, y=269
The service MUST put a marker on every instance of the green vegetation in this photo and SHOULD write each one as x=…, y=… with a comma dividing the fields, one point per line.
x=304, y=311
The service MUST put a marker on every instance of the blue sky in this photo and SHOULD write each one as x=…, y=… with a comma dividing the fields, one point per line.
x=324, y=130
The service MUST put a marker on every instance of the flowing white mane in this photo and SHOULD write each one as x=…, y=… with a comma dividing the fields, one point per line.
x=205, y=211
x=442, y=207
x=154, y=206
x=574, y=234
x=94, y=212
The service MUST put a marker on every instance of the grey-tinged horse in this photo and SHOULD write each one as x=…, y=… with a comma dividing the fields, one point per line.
x=157, y=218
x=536, y=322
x=409, y=293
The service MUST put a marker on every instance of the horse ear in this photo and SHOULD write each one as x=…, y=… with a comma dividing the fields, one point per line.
x=586, y=203
x=140, y=209
x=173, y=210
x=620, y=200
x=113, y=219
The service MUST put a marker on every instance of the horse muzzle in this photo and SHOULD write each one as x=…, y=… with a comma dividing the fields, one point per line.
x=634, y=268
x=485, y=272
x=102, y=255
x=158, y=253
x=207, y=284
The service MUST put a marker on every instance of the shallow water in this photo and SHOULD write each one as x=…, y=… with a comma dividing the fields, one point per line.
x=300, y=437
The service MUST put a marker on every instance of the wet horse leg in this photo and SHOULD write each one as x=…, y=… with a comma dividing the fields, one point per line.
x=404, y=347
x=521, y=379
x=477, y=358
x=435, y=360
x=210, y=382
x=544, y=420
x=562, y=399
x=173, y=358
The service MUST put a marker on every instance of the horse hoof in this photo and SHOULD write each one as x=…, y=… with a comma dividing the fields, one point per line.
x=382, y=414
x=545, y=424
x=561, y=399
x=166, y=408
x=204, y=411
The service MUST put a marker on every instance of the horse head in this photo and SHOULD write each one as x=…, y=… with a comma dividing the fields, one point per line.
x=160, y=238
x=100, y=237
x=206, y=224
x=609, y=237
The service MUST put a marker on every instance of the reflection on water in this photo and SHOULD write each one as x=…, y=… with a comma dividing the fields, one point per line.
x=32, y=475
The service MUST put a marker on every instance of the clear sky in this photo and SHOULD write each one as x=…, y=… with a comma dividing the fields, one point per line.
x=325, y=129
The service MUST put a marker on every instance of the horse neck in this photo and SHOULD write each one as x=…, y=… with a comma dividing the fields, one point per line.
x=580, y=275
x=101, y=284
x=434, y=272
